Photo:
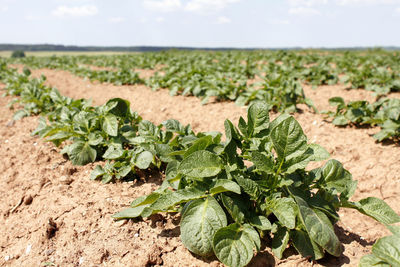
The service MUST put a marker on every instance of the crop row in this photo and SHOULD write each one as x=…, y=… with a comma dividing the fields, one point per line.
x=225, y=75
x=227, y=207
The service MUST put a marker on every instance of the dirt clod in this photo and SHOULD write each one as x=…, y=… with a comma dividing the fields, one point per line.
x=154, y=256
x=66, y=179
x=51, y=228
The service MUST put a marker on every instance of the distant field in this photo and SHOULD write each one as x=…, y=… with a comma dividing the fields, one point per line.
x=64, y=53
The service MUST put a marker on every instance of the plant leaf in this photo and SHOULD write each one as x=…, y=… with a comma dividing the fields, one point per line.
x=317, y=228
x=233, y=245
x=81, y=153
x=280, y=242
x=201, y=219
x=201, y=164
x=285, y=210
x=224, y=185
x=388, y=249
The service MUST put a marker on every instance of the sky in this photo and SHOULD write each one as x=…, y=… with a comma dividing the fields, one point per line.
x=202, y=23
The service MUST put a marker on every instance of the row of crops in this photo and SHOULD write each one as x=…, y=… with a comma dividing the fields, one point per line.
x=276, y=78
x=232, y=193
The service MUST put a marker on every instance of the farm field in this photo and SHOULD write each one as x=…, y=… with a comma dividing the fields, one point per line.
x=54, y=214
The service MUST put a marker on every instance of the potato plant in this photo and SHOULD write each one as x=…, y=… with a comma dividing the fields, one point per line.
x=228, y=207
x=385, y=113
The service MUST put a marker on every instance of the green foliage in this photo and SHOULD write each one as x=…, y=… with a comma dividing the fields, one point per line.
x=18, y=54
x=385, y=252
x=384, y=113
x=229, y=206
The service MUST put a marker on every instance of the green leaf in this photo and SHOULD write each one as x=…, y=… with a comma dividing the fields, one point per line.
x=248, y=186
x=289, y=140
x=129, y=213
x=200, y=144
x=317, y=228
x=236, y=207
x=95, y=139
x=234, y=245
x=372, y=261
x=262, y=162
x=319, y=153
x=285, y=210
x=388, y=249
x=200, y=164
x=143, y=160
x=174, y=126
x=334, y=176
x=113, y=152
x=110, y=125
x=224, y=185
x=378, y=209
x=257, y=118
x=121, y=109
x=336, y=101
x=305, y=246
x=201, y=219
x=261, y=222
x=169, y=199
x=81, y=153
x=280, y=242
x=97, y=172
x=340, y=120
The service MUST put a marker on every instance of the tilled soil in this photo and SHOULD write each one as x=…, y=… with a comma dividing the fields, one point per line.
x=52, y=213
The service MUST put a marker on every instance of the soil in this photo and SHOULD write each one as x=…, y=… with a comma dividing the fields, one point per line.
x=52, y=213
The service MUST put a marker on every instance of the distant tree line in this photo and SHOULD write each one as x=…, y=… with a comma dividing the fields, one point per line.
x=51, y=47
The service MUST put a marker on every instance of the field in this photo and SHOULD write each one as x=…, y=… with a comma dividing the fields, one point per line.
x=61, y=53
x=345, y=106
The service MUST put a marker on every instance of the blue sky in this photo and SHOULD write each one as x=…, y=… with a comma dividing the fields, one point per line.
x=199, y=23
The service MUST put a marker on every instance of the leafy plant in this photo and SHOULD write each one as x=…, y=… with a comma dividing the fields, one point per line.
x=385, y=113
x=227, y=208
x=18, y=54
x=385, y=252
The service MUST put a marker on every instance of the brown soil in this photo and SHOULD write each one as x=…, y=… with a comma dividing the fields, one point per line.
x=52, y=212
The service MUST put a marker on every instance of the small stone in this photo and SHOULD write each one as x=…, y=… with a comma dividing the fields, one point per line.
x=121, y=223
x=28, y=249
x=7, y=258
x=6, y=141
x=10, y=123
x=81, y=260
x=136, y=235
x=28, y=200
x=49, y=252
x=65, y=179
x=35, y=144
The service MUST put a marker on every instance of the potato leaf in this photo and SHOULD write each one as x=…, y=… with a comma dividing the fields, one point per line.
x=200, y=164
x=201, y=219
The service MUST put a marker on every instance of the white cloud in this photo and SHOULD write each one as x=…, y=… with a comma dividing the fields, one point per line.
x=160, y=19
x=307, y=3
x=366, y=2
x=162, y=5
x=279, y=22
x=208, y=6
x=398, y=10
x=305, y=11
x=32, y=18
x=76, y=11
x=223, y=20
x=116, y=19
x=3, y=9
